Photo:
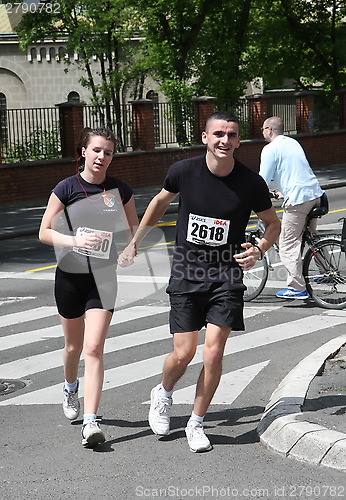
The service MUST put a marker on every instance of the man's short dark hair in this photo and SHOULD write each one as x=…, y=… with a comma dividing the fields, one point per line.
x=227, y=116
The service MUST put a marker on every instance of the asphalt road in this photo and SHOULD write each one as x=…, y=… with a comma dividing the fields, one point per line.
x=41, y=453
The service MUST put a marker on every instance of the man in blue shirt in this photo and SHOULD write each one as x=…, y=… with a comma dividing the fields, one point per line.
x=283, y=161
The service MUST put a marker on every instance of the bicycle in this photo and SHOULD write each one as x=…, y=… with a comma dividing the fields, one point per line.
x=324, y=263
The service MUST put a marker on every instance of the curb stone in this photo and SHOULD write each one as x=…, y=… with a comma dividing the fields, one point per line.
x=279, y=428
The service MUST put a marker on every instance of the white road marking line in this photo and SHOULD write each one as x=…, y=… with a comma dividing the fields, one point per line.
x=53, y=359
x=147, y=368
x=13, y=300
x=50, y=276
x=28, y=315
x=231, y=385
x=29, y=337
x=41, y=362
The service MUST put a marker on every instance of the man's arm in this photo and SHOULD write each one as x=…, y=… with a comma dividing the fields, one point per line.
x=247, y=259
x=273, y=228
x=267, y=165
x=155, y=210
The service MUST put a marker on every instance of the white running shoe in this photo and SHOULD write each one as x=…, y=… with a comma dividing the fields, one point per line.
x=196, y=438
x=71, y=404
x=92, y=434
x=160, y=412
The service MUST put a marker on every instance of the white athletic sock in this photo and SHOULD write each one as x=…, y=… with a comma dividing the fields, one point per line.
x=88, y=417
x=71, y=387
x=196, y=418
x=164, y=393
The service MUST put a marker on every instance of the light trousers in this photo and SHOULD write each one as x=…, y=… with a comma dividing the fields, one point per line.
x=292, y=226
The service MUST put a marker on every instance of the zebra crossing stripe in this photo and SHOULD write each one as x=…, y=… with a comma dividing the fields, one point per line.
x=28, y=315
x=231, y=385
x=140, y=370
x=50, y=276
x=41, y=362
x=24, y=338
x=38, y=363
x=13, y=300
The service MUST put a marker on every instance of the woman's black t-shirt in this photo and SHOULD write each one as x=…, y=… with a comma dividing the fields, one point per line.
x=92, y=208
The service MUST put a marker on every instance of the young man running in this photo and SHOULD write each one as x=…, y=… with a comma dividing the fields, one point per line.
x=217, y=194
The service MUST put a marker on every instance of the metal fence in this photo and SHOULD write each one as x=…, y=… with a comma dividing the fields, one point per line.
x=29, y=134
x=241, y=109
x=173, y=124
x=285, y=107
x=96, y=116
x=33, y=134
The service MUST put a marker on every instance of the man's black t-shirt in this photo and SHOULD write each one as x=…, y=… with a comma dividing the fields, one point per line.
x=91, y=208
x=212, y=218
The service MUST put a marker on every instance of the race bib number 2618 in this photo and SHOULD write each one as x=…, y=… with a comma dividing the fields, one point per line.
x=203, y=230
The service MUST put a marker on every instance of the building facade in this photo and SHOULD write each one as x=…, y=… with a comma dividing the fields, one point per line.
x=38, y=77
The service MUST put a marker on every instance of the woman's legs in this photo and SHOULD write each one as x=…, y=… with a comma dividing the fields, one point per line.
x=92, y=332
x=74, y=337
x=96, y=328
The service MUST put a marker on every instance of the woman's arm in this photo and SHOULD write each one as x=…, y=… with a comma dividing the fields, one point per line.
x=155, y=210
x=49, y=236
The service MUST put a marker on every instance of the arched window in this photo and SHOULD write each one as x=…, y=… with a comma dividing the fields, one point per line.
x=73, y=97
x=60, y=54
x=153, y=96
x=3, y=119
x=51, y=53
x=33, y=54
x=42, y=54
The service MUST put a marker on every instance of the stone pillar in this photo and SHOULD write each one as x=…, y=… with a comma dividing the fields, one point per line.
x=342, y=101
x=2, y=117
x=143, y=125
x=305, y=112
x=203, y=107
x=258, y=112
x=71, y=126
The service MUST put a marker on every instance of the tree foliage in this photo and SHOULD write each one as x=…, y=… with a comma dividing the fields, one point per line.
x=300, y=41
x=195, y=48
x=200, y=47
x=92, y=28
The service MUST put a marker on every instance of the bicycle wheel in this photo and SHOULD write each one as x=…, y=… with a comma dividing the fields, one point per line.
x=255, y=279
x=324, y=269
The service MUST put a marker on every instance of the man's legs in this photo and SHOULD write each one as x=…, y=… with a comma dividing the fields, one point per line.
x=209, y=378
x=208, y=381
x=184, y=348
x=292, y=226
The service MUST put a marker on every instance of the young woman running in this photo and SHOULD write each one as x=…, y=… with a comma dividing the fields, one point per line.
x=88, y=217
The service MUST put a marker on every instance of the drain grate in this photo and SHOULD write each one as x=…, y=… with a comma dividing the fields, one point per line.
x=8, y=386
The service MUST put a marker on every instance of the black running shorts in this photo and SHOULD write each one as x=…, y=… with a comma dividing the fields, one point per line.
x=195, y=304
x=76, y=293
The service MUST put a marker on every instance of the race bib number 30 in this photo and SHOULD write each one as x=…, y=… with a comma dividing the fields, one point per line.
x=203, y=230
x=102, y=250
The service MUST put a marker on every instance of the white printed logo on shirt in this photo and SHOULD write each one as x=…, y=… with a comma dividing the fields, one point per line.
x=210, y=231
